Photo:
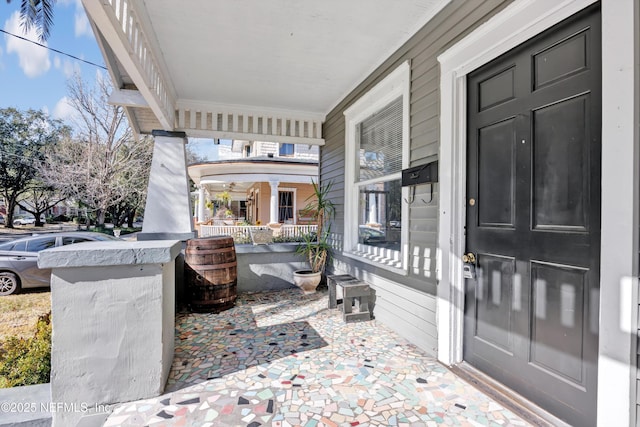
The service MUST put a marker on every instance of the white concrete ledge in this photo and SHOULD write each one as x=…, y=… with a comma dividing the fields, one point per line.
x=113, y=318
x=110, y=253
x=34, y=402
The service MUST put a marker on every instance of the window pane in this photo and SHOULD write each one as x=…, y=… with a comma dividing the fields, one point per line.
x=41, y=244
x=286, y=150
x=285, y=208
x=380, y=137
x=72, y=240
x=379, y=213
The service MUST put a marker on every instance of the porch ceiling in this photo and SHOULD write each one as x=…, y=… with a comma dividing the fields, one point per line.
x=276, y=59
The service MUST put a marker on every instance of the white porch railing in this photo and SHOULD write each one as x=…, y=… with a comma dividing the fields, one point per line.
x=242, y=233
x=126, y=22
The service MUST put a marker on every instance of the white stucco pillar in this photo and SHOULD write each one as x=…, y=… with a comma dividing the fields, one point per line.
x=167, y=214
x=113, y=325
x=201, y=204
x=273, y=211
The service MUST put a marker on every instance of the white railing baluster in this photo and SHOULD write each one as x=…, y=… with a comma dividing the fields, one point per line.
x=242, y=232
x=203, y=120
x=192, y=119
x=181, y=118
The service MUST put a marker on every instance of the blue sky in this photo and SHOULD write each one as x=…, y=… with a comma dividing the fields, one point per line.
x=34, y=77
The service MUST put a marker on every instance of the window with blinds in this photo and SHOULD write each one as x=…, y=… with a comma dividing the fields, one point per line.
x=377, y=149
x=380, y=142
x=379, y=162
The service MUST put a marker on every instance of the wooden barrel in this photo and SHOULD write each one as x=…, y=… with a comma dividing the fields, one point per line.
x=211, y=273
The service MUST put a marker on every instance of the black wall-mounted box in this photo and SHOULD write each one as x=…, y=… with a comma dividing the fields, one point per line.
x=423, y=174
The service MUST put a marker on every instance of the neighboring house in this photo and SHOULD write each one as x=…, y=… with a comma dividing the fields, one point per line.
x=262, y=189
x=521, y=261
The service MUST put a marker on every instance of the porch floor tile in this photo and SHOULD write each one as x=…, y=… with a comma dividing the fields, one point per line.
x=283, y=359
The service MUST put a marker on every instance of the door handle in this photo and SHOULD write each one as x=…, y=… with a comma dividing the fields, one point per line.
x=469, y=258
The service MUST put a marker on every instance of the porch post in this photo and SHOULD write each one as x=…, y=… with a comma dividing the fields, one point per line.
x=167, y=214
x=201, y=203
x=273, y=216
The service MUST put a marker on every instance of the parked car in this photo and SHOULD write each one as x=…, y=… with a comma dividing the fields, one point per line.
x=19, y=258
x=24, y=220
x=370, y=235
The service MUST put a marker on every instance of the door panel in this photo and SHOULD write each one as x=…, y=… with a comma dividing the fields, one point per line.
x=496, y=170
x=493, y=300
x=558, y=319
x=560, y=165
x=533, y=159
x=496, y=89
x=566, y=57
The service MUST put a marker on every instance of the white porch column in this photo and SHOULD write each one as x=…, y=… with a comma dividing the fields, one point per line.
x=167, y=214
x=273, y=212
x=201, y=204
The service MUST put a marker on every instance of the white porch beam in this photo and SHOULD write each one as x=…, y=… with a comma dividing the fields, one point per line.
x=249, y=123
x=120, y=28
x=198, y=133
x=257, y=177
x=127, y=98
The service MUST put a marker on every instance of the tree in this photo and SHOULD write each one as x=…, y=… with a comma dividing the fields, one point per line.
x=37, y=14
x=103, y=165
x=194, y=157
x=38, y=198
x=25, y=137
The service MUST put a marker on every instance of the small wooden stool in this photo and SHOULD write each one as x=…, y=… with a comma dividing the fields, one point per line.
x=355, y=292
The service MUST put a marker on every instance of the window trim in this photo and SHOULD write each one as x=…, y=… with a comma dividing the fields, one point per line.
x=395, y=84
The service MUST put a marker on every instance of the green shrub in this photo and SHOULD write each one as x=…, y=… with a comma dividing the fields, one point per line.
x=27, y=361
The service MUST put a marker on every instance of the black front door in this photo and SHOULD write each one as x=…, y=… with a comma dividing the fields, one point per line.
x=533, y=218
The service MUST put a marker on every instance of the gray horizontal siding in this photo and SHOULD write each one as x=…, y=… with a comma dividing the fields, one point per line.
x=406, y=302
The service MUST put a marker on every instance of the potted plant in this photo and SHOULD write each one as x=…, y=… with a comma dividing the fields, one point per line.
x=315, y=247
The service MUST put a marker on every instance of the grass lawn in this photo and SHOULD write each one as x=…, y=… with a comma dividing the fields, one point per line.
x=19, y=313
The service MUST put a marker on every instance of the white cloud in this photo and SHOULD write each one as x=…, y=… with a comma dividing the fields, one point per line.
x=82, y=26
x=63, y=110
x=33, y=59
x=67, y=66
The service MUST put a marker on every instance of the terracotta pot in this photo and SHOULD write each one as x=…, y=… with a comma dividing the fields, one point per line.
x=307, y=280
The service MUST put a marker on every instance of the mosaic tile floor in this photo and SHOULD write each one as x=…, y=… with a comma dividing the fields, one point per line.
x=284, y=359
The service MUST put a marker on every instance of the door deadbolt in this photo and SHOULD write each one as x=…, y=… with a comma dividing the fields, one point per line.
x=469, y=258
x=472, y=202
